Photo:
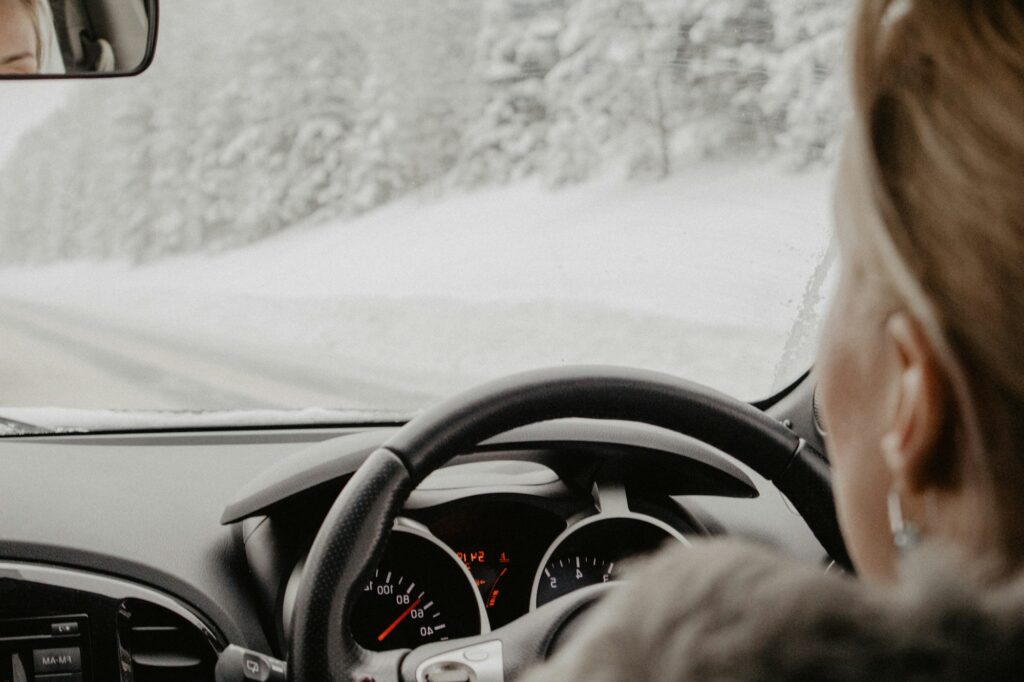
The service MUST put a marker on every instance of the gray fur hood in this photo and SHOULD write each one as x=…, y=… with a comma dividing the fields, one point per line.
x=729, y=611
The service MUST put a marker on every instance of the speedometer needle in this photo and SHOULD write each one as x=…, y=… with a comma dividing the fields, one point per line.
x=390, y=628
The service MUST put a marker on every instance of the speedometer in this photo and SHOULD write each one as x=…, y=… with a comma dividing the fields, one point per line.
x=421, y=592
x=398, y=614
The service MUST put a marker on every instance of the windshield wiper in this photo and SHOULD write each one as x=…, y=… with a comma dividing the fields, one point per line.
x=139, y=421
x=13, y=427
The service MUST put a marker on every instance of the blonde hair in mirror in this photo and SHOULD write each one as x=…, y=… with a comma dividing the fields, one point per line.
x=939, y=90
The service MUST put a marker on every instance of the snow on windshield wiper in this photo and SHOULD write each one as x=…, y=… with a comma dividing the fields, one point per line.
x=13, y=427
x=68, y=420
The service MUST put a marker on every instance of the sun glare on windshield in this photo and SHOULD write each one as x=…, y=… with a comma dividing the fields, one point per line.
x=370, y=205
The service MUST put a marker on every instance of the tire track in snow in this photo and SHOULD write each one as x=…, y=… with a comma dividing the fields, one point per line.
x=179, y=373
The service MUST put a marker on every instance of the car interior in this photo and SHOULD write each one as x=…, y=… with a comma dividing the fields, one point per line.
x=462, y=544
x=156, y=552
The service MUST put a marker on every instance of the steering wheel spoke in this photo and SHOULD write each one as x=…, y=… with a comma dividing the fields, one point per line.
x=503, y=653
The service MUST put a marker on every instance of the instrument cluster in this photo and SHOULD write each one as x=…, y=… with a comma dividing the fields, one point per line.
x=476, y=565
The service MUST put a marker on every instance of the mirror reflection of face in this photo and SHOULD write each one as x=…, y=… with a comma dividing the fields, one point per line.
x=19, y=45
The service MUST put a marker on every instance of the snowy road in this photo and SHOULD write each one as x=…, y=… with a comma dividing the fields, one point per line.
x=701, y=276
x=52, y=353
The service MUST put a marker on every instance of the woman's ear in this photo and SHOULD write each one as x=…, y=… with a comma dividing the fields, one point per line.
x=915, y=447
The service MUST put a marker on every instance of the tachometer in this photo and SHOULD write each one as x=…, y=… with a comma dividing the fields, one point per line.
x=588, y=552
x=419, y=593
x=562, y=576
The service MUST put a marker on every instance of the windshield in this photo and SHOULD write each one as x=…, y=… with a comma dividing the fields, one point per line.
x=342, y=205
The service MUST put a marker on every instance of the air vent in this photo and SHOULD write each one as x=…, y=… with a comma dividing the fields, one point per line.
x=163, y=646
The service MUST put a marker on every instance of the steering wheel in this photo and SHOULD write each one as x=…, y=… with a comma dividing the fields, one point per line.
x=353, y=536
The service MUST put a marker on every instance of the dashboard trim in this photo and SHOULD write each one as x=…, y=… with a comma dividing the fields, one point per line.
x=338, y=458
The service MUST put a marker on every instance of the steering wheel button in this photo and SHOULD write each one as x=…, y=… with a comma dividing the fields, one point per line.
x=255, y=668
x=475, y=655
x=448, y=672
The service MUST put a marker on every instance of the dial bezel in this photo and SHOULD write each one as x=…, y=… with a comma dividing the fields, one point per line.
x=613, y=506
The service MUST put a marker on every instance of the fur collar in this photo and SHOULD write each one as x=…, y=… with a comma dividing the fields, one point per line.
x=731, y=611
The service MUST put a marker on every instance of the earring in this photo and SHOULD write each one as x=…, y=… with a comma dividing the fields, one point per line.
x=905, y=534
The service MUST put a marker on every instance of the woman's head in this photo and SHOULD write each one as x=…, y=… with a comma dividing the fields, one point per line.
x=922, y=367
x=21, y=43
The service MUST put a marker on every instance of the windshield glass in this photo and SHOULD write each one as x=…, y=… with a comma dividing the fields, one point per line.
x=350, y=205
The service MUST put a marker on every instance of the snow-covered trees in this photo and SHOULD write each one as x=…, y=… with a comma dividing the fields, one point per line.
x=516, y=50
x=805, y=95
x=259, y=115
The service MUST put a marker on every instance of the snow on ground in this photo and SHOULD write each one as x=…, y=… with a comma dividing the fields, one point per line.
x=700, y=275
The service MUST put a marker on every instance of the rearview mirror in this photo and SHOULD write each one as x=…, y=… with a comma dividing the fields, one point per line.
x=76, y=38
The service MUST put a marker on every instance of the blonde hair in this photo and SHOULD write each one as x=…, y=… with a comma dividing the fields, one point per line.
x=939, y=89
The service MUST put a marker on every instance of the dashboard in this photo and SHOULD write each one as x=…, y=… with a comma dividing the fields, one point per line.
x=160, y=549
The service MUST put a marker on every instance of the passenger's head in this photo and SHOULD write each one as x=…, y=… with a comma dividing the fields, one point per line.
x=20, y=39
x=922, y=361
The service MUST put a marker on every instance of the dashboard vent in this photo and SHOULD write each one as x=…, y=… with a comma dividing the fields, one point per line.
x=164, y=647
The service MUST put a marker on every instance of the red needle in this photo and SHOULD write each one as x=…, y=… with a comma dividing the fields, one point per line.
x=492, y=596
x=388, y=629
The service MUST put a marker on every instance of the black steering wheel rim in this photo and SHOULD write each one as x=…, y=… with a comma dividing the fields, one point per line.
x=359, y=522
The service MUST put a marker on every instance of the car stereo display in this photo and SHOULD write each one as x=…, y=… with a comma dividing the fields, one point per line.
x=48, y=649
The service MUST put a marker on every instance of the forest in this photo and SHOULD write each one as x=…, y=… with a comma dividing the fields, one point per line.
x=259, y=116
